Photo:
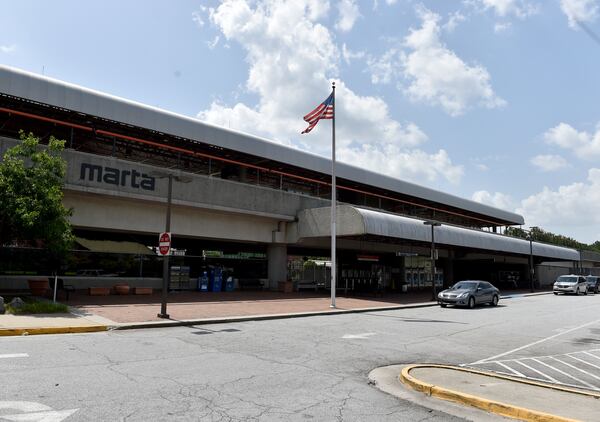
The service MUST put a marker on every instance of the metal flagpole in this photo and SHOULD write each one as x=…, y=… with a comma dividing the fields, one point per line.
x=333, y=205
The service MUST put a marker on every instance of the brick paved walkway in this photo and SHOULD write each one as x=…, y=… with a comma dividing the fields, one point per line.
x=198, y=305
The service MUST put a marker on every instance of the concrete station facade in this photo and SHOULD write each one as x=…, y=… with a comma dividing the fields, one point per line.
x=254, y=207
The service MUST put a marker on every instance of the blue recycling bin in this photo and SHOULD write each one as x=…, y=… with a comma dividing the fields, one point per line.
x=203, y=282
x=217, y=279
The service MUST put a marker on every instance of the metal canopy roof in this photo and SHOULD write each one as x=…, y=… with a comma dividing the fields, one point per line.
x=356, y=221
x=33, y=87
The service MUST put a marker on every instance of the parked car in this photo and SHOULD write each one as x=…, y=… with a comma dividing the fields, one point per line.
x=469, y=293
x=571, y=283
x=593, y=283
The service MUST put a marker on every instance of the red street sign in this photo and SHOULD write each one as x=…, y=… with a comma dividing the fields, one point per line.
x=164, y=243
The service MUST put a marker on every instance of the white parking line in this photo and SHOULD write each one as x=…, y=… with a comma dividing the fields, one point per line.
x=592, y=355
x=514, y=371
x=361, y=336
x=583, y=361
x=565, y=374
x=537, y=372
x=534, y=343
x=576, y=368
x=14, y=355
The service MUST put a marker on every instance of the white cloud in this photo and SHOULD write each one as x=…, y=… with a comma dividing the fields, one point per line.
x=7, y=49
x=412, y=164
x=349, y=55
x=584, y=145
x=497, y=199
x=453, y=21
x=386, y=68
x=549, y=162
x=212, y=44
x=348, y=14
x=572, y=210
x=439, y=77
x=502, y=26
x=197, y=16
x=388, y=2
x=481, y=167
x=579, y=11
x=503, y=8
x=290, y=78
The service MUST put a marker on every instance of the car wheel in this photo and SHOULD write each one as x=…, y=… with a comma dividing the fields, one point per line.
x=597, y=289
x=443, y=305
x=577, y=291
x=471, y=302
x=494, y=301
x=585, y=291
x=555, y=293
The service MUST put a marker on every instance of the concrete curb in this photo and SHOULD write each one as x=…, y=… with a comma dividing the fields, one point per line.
x=225, y=320
x=52, y=330
x=492, y=406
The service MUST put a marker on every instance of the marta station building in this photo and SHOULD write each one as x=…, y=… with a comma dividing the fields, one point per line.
x=249, y=209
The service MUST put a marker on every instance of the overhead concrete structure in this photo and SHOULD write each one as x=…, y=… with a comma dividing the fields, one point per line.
x=356, y=221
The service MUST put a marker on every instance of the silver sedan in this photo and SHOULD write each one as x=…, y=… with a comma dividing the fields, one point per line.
x=469, y=293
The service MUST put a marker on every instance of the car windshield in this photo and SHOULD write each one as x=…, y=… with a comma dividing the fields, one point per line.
x=566, y=279
x=464, y=285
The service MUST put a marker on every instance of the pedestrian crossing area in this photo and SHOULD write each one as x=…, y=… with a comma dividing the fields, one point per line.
x=579, y=369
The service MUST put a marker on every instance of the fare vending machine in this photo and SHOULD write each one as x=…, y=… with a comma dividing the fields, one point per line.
x=422, y=277
x=439, y=278
x=412, y=278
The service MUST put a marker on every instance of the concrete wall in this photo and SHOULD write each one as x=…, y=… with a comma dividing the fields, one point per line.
x=114, y=194
x=117, y=213
x=546, y=274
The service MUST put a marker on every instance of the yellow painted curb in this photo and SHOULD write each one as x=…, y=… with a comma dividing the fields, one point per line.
x=51, y=330
x=492, y=406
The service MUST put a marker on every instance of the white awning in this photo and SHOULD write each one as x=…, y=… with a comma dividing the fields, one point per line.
x=354, y=221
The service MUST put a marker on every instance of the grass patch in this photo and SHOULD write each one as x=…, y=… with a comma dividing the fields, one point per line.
x=38, y=307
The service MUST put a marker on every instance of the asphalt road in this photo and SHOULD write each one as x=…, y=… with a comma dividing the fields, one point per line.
x=292, y=369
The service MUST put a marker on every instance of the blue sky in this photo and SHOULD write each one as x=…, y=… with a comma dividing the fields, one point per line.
x=493, y=100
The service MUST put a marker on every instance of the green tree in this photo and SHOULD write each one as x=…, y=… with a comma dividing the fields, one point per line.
x=31, y=185
x=540, y=235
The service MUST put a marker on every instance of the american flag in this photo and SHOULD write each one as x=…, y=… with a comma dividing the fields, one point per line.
x=323, y=111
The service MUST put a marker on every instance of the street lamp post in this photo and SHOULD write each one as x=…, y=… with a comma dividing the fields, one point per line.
x=165, y=284
x=531, y=269
x=432, y=224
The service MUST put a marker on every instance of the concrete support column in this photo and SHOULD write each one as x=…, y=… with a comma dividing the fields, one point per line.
x=448, y=267
x=277, y=264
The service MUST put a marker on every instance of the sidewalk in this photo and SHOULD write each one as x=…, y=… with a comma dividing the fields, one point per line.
x=498, y=394
x=17, y=325
x=187, y=308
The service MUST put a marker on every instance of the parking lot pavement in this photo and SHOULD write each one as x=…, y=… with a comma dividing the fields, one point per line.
x=579, y=369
